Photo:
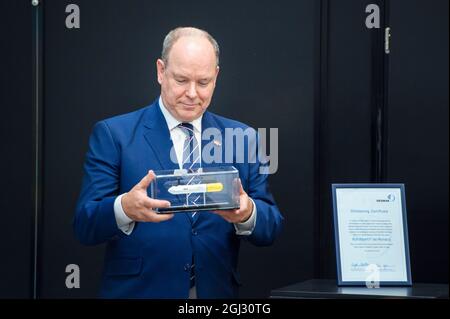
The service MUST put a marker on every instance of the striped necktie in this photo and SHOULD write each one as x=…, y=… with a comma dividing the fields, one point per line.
x=191, y=162
x=191, y=149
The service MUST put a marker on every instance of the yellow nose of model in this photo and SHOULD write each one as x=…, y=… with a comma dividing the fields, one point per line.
x=214, y=187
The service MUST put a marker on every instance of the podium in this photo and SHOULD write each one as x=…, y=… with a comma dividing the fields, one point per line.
x=327, y=289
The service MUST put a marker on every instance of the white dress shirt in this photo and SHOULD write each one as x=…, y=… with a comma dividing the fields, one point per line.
x=178, y=136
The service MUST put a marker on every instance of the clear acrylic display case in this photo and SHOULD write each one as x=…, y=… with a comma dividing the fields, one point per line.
x=212, y=188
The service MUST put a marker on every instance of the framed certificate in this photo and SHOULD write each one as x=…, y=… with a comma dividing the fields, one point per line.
x=371, y=235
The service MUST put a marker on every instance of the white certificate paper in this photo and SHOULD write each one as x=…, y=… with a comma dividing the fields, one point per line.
x=371, y=238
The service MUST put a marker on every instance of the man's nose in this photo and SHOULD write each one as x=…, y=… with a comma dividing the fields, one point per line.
x=191, y=91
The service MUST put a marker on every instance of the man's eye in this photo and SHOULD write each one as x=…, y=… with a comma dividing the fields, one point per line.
x=204, y=83
x=181, y=81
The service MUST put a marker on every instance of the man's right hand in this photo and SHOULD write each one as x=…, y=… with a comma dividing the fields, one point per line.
x=139, y=207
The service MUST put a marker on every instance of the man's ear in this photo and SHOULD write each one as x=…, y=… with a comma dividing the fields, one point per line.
x=160, y=68
x=217, y=74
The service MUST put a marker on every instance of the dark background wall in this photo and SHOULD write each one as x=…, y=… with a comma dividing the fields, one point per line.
x=409, y=86
x=417, y=146
x=107, y=67
x=344, y=119
x=16, y=155
x=309, y=68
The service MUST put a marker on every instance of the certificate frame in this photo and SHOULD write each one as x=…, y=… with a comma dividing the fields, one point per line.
x=342, y=280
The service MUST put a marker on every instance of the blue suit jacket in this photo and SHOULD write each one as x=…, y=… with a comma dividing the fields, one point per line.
x=153, y=261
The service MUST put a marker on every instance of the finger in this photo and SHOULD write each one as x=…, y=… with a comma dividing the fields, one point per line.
x=156, y=203
x=229, y=215
x=241, y=189
x=230, y=212
x=151, y=203
x=225, y=214
x=162, y=217
x=243, y=202
x=146, y=180
x=154, y=217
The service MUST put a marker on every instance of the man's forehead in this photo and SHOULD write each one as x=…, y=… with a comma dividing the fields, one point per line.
x=196, y=50
x=193, y=41
x=200, y=73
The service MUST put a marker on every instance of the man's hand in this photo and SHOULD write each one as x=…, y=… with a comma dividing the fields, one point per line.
x=238, y=215
x=139, y=207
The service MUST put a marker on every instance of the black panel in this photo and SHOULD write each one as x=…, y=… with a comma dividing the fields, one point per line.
x=278, y=60
x=107, y=67
x=345, y=150
x=418, y=129
x=413, y=127
x=16, y=133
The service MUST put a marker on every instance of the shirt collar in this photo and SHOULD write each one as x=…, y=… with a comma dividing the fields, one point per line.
x=173, y=122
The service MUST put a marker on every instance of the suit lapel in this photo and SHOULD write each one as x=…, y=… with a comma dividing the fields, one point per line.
x=159, y=140
x=157, y=136
x=213, y=142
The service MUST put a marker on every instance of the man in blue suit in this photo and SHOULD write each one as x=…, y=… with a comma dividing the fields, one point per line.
x=151, y=255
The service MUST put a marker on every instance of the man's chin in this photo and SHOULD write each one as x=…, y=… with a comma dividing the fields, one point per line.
x=189, y=116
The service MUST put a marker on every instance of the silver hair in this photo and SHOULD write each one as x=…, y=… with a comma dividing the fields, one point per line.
x=179, y=32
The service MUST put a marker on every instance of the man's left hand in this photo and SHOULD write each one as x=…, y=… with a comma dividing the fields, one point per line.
x=238, y=215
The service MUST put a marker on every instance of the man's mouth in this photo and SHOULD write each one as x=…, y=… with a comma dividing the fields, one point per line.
x=189, y=105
